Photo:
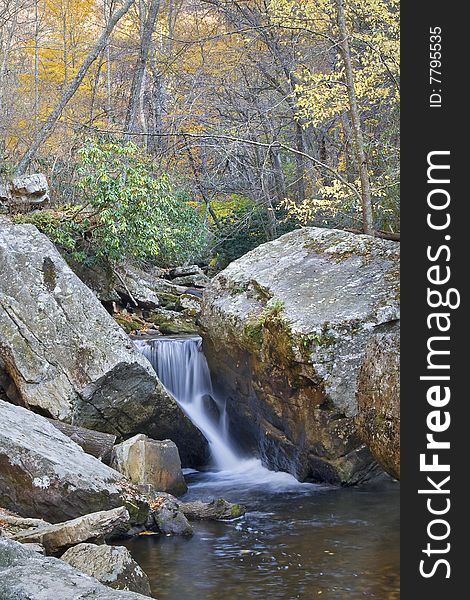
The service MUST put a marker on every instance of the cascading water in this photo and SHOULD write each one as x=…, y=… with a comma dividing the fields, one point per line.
x=182, y=368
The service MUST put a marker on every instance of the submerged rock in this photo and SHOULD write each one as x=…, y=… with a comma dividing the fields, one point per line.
x=95, y=526
x=26, y=575
x=286, y=328
x=378, y=399
x=111, y=565
x=146, y=461
x=44, y=474
x=67, y=358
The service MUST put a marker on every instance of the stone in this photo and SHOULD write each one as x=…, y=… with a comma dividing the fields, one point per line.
x=173, y=323
x=186, y=270
x=378, y=399
x=37, y=548
x=44, y=474
x=98, y=444
x=68, y=358
x=11, y=523
x=26, y=575
x=111, y=565
x=285, y=331
x=197, y=281
x=27, y=191
x=215, y=510
x=146, y=461
x=137, y=288
x=167, y=516
x=190, y=304
x=61, y=536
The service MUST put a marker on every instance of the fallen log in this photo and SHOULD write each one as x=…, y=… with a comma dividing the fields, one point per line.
x=98, y=444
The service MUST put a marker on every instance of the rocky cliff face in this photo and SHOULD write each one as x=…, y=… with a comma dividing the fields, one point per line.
x=61, y=353
x=286, y=328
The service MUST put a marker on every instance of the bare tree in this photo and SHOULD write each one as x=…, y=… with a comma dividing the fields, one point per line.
x=71, y=88
x=148, y=28
x=359, y=151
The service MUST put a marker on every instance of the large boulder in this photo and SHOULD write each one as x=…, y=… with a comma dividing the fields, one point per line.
x=97, y=526
x=44, y=474
x=67, y=358
x=378, y=399
x=286, y=328
x=146, y=461
x=26, y=575
x=111, y=565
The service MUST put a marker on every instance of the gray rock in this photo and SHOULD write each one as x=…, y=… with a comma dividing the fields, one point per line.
x=146, y=461
x=137, y=288
x=39, y=548
x=286, y=327
x=44, y=474
x=167, y=516
x=95, y=526
x=26, y=575
x=190, y=304
x=378, y=399
x=215, y=510
x=111, y=565
x=68, y=357
x=11, y=524
x=25, y=190
x=198, y=281
x=187, y=270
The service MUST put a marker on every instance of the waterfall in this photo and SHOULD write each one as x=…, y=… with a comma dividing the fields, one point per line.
x=182, y=368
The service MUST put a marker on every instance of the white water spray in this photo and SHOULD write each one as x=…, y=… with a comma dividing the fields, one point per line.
x=182, y=368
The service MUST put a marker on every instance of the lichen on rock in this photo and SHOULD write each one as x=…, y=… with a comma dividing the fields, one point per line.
x=286, y=327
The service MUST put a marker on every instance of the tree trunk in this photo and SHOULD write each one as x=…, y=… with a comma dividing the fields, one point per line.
x=299, y=161
x=98, y=444
x=360, y=155
x=71, y=88
x=36, y=67
x=138, y=78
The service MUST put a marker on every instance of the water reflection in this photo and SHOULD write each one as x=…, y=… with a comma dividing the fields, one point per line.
x=303, y=542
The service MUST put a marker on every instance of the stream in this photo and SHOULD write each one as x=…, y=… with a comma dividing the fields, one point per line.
x=297, y=540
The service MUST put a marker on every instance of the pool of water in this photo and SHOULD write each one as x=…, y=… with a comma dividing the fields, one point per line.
x=296, y=541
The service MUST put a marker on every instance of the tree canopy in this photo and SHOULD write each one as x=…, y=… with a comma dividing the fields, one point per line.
x=191, y=127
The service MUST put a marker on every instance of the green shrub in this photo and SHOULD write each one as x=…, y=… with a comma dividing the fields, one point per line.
x=126, y=210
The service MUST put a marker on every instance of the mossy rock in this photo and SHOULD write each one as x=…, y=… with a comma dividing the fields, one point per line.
x=173, y=324
x=129, y=323
x=166, y=299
